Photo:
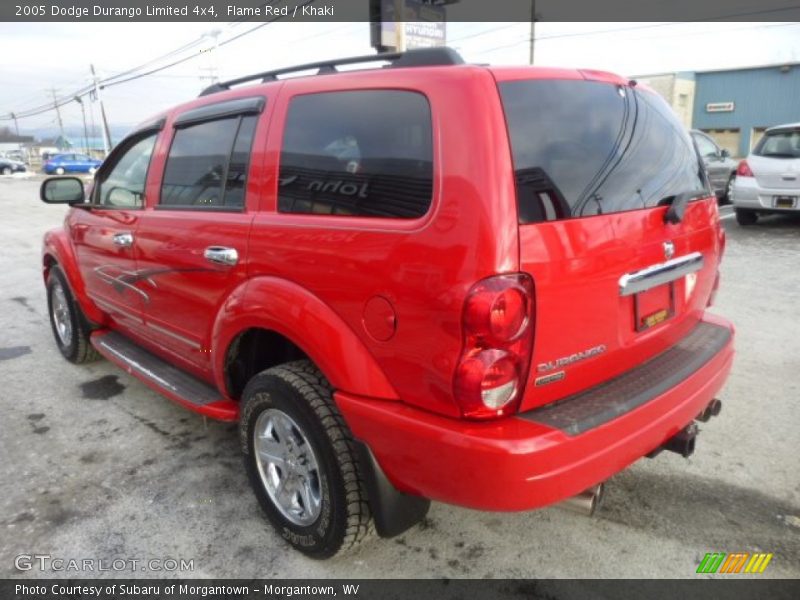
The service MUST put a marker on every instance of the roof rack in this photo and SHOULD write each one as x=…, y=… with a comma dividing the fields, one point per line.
x=420, y=57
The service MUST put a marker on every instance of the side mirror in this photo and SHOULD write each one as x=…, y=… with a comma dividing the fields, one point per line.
x=725, y=153
x=62, y=190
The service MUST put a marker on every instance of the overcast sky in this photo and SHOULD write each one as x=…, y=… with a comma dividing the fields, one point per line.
x=37, y=57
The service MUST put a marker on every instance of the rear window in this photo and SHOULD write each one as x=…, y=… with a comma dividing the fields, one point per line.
x=783, y=143
x=583, y=148
x=357, y=153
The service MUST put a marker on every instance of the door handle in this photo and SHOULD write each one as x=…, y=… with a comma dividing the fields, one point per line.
x=221, y=255
x=123, y=240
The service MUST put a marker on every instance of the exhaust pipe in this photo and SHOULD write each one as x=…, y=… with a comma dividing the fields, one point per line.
x=712, y=410
x=683, y=442
x=586, y=502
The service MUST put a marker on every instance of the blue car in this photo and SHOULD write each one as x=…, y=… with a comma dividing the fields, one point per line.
x=71, y=163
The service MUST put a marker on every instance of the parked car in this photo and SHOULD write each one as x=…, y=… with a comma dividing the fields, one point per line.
x=8, y=166
x=17, y=155
x=720, y=167
x=768, y=180
x=399, y=308
x=71, y=163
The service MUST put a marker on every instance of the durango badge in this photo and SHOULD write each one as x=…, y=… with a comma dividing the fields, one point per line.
x=572, y=358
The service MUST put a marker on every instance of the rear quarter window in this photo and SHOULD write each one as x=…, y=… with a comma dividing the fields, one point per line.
x=358, y=153
x=583, y=148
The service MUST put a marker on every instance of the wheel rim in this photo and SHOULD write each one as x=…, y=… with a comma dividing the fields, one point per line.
x=59, y=171
x=729, y=192
x=288, y=467
x=60, y=313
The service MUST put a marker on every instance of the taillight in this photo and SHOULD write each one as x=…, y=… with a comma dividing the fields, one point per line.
x=497, y=325
x=743, y=170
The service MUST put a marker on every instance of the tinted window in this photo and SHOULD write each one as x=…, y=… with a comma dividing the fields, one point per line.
x=123, y=186
x=585, y=148
x=779, y=144
x=207, y=164
x=365, y=153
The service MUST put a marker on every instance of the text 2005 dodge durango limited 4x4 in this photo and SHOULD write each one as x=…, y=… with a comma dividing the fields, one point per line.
x=431, y=281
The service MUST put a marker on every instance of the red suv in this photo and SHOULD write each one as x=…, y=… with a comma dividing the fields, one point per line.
x=476, y=285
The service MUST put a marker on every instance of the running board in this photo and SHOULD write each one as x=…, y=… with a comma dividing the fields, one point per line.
x=172, y=382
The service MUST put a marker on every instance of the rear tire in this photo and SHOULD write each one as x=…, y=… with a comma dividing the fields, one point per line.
x=728, y=197
x=5, y=171
x=292, y=432
x=71, y=329
x=745, y=217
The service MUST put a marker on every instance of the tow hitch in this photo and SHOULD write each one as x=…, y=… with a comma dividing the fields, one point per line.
x=683, y=442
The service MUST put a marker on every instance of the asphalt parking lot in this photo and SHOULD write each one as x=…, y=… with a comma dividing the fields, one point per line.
x=95, y=465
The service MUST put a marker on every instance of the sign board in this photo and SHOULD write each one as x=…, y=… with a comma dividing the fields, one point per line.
x=719, y=107
x=407, y=24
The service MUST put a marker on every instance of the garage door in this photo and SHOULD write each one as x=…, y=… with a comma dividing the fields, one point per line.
x=726, y=138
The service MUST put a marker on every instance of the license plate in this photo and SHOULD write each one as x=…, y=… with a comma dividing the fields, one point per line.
x=785, y=201
x=653, y=306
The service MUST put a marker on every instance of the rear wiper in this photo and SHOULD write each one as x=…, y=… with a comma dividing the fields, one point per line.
x=677, y=204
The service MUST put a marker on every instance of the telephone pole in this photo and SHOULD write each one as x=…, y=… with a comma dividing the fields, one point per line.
x=104, y=120
x=58, y=113
x=85, y=134
x=533, y=28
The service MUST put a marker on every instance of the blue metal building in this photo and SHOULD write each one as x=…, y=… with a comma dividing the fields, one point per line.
x=736, y=105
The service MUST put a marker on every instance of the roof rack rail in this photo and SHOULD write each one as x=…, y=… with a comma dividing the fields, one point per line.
x=420, y=57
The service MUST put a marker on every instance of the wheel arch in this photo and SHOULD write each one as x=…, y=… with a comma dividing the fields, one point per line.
x=57, y=250
x=288, y=313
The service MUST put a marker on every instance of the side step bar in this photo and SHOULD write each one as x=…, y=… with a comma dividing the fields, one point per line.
x=185, y=389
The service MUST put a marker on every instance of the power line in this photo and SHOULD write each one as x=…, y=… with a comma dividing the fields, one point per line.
x=41, y=109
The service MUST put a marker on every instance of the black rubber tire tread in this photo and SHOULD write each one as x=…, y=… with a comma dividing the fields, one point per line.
x=726, y=197
x=80, y=350
x=745, y=217
x=314, y=390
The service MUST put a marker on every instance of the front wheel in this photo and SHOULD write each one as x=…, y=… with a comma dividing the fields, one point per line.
x=301, y=460
x=59, y=171
x=745, y=217
x=70, y=328
x=6, y=170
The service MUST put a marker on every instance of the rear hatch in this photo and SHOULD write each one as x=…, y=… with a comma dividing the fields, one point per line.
x=597, y=164
x=775, y=161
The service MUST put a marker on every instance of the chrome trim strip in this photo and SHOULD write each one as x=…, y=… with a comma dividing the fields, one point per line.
x=110, y=307
x=177, y=336
x=649, y=277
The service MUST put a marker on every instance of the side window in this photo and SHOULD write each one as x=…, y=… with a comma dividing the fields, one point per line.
x=360, y=153
x=207, y=164
x=123, y=187
x=705, y=146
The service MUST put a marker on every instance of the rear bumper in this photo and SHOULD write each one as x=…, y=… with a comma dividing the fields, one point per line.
x=519, y=463
x=747, y=193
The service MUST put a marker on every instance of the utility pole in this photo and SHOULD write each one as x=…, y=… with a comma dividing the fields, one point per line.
x=106, y=133
x=85, y=134
x=16, y=128
x=213, y=58
x=533, y=28
x=58, y=114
